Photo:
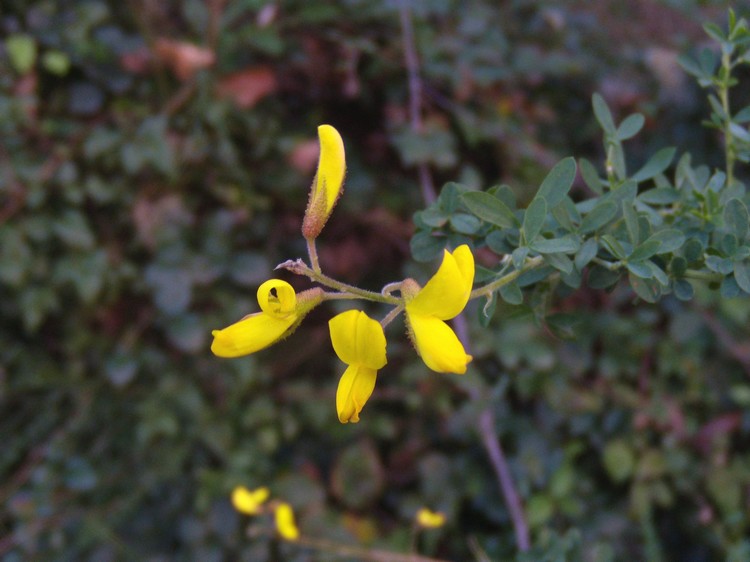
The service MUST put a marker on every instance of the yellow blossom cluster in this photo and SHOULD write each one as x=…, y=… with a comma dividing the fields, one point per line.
x=358, y=340
x=254, y=502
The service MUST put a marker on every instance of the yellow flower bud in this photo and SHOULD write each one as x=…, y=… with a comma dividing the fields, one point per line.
x=285, y=524
x=328, y=182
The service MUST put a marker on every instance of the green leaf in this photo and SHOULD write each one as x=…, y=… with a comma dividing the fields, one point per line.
x=640, y=269
x=647, y=289
x=587, y=253
x=715, y=32
x=590, y=176
x=614, y=246
x=619, y=460
x=511, y=293
x=659, y=196
x=498, y=242
x=426, y=247
x=21, y=51
x=563, y=325
x=450, y=196
x=432, y=217
x=683, y=290
x=742, y=116
x=519, y=256
x=656, y=164
x=631, y=222
x=736, y=218
x=561, y=262
x=602, y=114
x=693, y=250
x=505, y=193
x=644, y=251
x=725, y=266
x=566, y=245
x=602, y=278
x=465, y=223
x=630, y=126
x=56, y=62
x=556, y=185
x=489, y=208
x=533, y=218
x=598, y=217
x=742, y=275
x=671, y=240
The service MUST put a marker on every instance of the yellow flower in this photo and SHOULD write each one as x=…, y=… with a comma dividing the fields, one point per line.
x=285, y=524
x=442, y=298
x=359, y=342
x=430, y=519
x=281, y=311
x=327, y=184
x=247, y=501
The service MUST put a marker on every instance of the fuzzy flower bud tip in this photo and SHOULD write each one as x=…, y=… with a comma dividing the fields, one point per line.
x=328, y=182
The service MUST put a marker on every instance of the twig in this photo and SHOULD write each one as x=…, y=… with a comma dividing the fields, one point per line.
x=347, y=551
x=491, y=442
x=415, y=96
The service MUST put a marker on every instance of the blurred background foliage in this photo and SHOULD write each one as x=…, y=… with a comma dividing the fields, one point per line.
x=155, y=164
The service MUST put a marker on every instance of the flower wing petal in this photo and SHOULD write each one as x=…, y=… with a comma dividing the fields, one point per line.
x=251, y=334
x=445, y=295
x=438, y=345
x=355, y=388
x=358, y=339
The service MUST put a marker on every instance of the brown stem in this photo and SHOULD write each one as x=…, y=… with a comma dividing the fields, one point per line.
x=415, y=96
x=491, y=442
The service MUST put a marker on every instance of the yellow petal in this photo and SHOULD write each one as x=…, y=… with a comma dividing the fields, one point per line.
x=277, y=298
x=285, y=524
x=445, y=295
x=251, y=334
x=355, y=388
x=358, y=339
x=430, y=519
x=249, y=502
x=331, y=166
x=437, y=344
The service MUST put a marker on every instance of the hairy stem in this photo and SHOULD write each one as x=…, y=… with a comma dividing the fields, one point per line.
x=298, y=267
x=488, y=289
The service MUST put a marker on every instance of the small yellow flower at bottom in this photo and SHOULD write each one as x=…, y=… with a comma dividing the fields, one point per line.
x=249, y=502
x=359, y=341
x=430, y=519
x=285, y=525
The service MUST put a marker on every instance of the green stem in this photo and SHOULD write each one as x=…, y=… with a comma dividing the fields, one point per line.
x=726, y=64
x=490, y=288
x=612, y=266
x=703, y=275
x=392, y=315
x=300, y=268
x=312, y=251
